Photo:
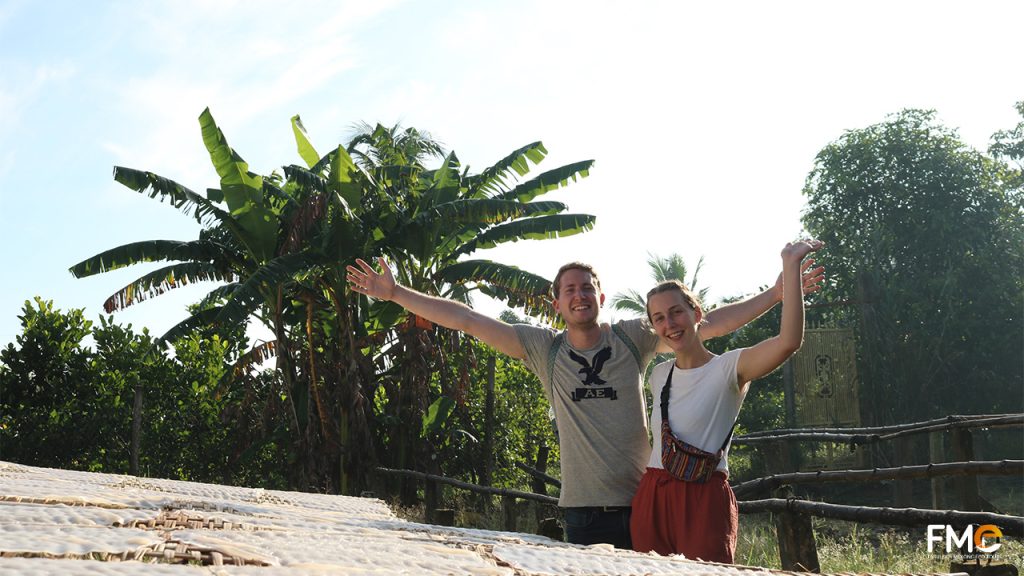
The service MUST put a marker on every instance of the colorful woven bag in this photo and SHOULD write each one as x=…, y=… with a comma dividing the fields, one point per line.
x=682, y=460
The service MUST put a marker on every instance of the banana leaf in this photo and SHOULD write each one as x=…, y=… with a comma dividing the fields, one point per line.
x=243, y=191
x=539, y=228
x=306, y=150
x=493, y=180
x=154, y=185
x=548, y=181
x=248, y=297
x=150, y=251
x=187, y=326
x=167, y=278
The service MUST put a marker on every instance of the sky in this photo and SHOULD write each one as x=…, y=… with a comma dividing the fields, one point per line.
x=703, y=118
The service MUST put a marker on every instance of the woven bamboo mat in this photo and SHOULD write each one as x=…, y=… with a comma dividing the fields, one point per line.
x=66, y=522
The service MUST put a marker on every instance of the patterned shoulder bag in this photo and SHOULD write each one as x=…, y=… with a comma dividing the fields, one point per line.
x=685, y=461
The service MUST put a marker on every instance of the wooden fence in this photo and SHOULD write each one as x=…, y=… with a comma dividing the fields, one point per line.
x=797, y=548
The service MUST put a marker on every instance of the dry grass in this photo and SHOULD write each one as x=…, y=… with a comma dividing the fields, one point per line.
x=851, y=547
x=842, y=546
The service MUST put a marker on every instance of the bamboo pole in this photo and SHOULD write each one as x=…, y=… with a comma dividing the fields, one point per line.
x=988, y=468
x=471, y=487
x=854, y=438
x=879, y=429
x=1010, y=525
x=538, y=475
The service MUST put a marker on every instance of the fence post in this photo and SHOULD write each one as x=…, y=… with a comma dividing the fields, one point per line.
x=508, y=509
x=430, y=501
x=444, y=517
x=903, y=490
x=967, y=486
x=536, y=484
x=789, y=392
x=797, y=549
x=936, y=454
x=778, y=457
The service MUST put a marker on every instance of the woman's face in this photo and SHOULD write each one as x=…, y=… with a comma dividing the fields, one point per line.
x=673, y=319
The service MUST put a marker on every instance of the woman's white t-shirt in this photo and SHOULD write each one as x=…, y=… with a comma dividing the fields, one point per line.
x=702, y=406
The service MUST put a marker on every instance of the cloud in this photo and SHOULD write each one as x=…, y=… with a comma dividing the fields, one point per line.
x=243, y=60
x=9, y=9
x=26, y=85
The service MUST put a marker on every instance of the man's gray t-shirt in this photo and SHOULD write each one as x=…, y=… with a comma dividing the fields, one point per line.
x=597, y=395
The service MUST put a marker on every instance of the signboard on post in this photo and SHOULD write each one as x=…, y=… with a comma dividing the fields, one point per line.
x=825, y=380
x=821, y=392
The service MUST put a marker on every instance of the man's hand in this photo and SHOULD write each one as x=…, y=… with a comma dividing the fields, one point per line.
x=811, y=277
x=366, y=280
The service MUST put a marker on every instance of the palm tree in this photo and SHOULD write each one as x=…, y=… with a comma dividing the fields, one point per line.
x=671, y=267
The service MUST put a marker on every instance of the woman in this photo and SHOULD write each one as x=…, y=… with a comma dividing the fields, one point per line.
x=684, y=504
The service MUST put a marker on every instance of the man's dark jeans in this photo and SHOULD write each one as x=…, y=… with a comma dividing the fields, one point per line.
x=598, y=525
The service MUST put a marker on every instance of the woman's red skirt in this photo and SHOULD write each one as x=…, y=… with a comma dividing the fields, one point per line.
x=675, y=517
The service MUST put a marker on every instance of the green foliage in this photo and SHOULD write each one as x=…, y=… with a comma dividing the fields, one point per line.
x=437, y=415
x=45, y=389
x=521, y=417
x=1008, y=145
x=348, y=371
x=67, y=405
x=927, y=236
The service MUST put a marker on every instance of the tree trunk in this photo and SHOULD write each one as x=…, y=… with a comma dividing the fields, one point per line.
x=488, y=448
x=136, y=430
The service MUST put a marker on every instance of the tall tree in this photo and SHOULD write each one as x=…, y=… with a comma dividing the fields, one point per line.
x=924, y=234
x=1008, y=145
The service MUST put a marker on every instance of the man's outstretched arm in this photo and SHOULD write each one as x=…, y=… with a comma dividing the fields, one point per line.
x=447, y=313
x=729, y=318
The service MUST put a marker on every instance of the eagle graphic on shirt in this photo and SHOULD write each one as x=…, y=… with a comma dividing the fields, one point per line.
x=591, y=373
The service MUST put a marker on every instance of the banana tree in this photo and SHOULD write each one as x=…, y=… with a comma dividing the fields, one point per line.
x=259, y=240
x=277, y=246
x=428, y=222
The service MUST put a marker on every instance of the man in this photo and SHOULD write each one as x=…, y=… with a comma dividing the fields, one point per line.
x=592, y=374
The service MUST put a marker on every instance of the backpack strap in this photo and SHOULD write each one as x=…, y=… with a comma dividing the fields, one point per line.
x=556, y=345
x=629, y=344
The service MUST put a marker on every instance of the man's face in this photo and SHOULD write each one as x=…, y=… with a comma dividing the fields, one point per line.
x=579, y=300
